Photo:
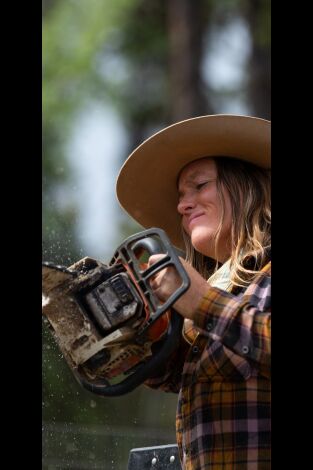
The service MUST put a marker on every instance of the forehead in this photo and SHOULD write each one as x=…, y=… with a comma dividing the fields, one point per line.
x=204, y=166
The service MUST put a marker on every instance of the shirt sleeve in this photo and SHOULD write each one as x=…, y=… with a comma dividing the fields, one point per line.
x=168, y=377
x=242, y=324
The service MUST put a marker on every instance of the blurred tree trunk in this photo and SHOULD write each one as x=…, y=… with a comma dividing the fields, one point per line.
x=259, y=91
x=187, y=23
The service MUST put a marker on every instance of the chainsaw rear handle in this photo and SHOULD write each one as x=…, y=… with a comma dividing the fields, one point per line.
x=127, y=253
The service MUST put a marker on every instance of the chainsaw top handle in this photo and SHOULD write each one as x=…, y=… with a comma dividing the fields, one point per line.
x=153, y=241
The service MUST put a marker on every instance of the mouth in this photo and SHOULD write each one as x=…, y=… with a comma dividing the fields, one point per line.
x=193, y=218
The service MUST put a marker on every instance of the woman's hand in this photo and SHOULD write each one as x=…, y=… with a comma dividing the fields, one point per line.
x=167, y=281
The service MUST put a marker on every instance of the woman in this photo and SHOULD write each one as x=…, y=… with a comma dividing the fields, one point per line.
x=206, y=182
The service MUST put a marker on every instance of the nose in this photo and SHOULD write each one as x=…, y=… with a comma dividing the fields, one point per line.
x=185, y=204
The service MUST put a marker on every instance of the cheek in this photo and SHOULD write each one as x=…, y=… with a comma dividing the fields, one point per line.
x=213, y=208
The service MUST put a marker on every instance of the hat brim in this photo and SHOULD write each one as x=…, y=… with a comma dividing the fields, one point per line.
x=146, y=184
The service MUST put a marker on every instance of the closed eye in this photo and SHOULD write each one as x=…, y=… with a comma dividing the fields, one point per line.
x=193, y=187
x=200, y=185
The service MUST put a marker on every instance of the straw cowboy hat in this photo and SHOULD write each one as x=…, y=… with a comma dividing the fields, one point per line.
x=147, y=182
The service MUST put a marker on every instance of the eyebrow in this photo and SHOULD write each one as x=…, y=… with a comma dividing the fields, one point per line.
x=194, y=174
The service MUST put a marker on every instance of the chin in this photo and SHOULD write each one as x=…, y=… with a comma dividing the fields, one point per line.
x=203, y=243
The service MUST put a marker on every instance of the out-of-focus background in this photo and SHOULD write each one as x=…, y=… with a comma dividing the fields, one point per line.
x=115, y=72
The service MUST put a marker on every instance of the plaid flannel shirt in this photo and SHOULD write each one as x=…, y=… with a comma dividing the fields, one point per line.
x=223, y=381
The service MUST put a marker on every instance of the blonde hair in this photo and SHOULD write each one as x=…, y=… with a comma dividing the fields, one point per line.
x=249, y=189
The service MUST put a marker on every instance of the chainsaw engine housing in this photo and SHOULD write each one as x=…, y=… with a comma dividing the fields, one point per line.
x=105, y=318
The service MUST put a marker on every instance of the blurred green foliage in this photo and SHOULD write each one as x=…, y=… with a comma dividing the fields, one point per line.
x=74, y=35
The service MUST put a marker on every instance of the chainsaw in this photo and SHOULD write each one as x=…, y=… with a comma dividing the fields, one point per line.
x=108, y=323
